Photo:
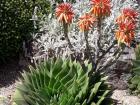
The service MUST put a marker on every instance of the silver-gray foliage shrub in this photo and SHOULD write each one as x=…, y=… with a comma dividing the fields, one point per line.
x=50, y=41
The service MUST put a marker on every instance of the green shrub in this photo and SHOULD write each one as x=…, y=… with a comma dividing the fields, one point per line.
x=16, y=24
x=134, y=83
x=62, y=82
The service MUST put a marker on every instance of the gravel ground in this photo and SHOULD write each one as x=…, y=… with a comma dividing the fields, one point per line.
x=6, y=94
x=9, y=74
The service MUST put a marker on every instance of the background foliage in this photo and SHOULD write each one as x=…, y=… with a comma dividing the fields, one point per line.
x=15, y=24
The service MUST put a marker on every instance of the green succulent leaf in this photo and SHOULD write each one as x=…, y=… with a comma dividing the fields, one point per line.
x=135, y=79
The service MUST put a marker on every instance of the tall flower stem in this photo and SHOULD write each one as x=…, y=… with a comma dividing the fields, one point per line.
x=87, y=44
x=65, y=26
x=88, y=49
x=98, y=39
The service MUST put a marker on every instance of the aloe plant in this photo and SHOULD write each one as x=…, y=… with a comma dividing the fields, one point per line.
x=135, y=80
x=62, y=82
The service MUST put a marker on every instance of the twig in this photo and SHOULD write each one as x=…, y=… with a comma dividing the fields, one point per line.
x=103, y=54
x=111, y=60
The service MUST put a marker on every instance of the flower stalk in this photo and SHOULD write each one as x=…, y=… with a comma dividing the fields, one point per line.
x=85, y=23
x=88, y=49
x=65, y=27
x=126, y=26
x=99, y=30
x=97, y=41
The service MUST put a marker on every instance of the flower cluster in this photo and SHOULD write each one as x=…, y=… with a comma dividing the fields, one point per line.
x=64, y=13
x=127, y=25
x=86, y=22
x=100, y=8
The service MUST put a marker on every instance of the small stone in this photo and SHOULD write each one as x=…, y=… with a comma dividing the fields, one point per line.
x=131, y=100
x=118, y=94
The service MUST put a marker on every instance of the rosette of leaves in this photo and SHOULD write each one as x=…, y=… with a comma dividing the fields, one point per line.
x=62, y=82
x=135, y=80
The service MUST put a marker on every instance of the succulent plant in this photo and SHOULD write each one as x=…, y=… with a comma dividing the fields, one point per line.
x=62, y=82
x=134, y=83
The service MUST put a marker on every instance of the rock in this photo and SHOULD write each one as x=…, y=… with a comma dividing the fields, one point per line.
x=131, y=100
x=123, y=98
x=118, y=95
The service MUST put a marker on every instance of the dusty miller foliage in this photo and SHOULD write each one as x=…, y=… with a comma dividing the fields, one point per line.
x=50, y=42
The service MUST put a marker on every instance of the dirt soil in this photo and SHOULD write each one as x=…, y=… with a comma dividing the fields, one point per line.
x=9, y=74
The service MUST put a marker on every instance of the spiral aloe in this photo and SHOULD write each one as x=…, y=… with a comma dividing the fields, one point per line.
x=62, y=82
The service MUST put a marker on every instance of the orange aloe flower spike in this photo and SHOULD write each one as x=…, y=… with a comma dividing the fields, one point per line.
x=64, y=13
x=86, y=21
x=127, y=26
x=100, y=8
x=129, y=12
x=124, y=37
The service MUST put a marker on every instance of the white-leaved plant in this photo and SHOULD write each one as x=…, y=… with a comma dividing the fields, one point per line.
x=50, y=41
